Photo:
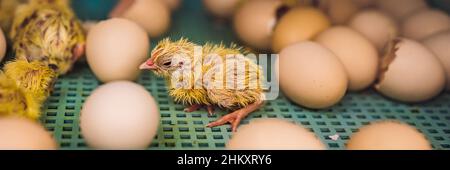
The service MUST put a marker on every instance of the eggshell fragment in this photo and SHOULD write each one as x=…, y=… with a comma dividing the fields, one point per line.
x=24, y=134
x=254, y=22
x=440, y=45
x=311, y=75
x=388, y=135
x=358, y=55
x=425, y=23
x=115, y=48
x=376, y=26
x=119, y=115
x=410, y=72
x=299, y=24
x=274, y=134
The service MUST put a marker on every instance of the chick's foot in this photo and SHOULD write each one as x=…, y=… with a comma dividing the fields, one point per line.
x=192, y=108
x=236, y=117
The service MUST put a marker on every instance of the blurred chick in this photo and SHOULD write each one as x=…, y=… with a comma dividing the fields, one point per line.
x=24, y=88
x=7, y=10
x=49, y=32
x=170, y=58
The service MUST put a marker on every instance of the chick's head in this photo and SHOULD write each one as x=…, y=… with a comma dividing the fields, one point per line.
x=169, y=56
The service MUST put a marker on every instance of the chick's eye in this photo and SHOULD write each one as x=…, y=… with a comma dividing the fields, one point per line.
x=167, y=64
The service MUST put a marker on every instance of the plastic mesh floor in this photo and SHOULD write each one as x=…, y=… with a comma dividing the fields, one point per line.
x=179, y=130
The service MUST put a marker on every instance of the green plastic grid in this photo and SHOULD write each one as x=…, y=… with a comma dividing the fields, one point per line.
x=180, y=130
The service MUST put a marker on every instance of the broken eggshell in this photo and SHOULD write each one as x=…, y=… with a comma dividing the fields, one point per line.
x=410, y=72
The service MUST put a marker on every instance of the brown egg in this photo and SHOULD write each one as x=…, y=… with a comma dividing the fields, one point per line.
x=311, y=75
x=425, y=23
x=299, y=24
x=410, y=72
x=400, y=9
x=24, y=134
x=340, y=11
x=274, y=134
x=172, y=4
x=3, y=45
x=388, y=135
x=254, y=22
x=364, y=3
x=359, y=55
x=376, y=26
x=440, y=44
x=221, y=8
x=152, y=15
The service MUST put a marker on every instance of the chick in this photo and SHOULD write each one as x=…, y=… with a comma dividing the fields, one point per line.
x=48, y=31
x=212, y=78
x=14, y=100
x=7, y=10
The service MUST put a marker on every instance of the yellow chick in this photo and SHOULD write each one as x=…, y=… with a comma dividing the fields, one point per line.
x=48, y=31
x=211, y=78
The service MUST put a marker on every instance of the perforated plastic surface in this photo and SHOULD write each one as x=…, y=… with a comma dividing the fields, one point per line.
x=180, y=130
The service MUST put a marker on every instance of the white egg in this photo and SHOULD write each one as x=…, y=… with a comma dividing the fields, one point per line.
x=119, y=115
x=400, y=9
x=440, y=44
x=221, y=8
x=274, y=134
x=115, y=48
x=152, y=15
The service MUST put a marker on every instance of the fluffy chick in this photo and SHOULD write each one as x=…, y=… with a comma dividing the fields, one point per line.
x=212, y=78
x=48, y=31
x=7, y=10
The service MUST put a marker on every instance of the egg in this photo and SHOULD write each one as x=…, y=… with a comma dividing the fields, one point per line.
x=254, y=22
x=440, y=44
x=119, y=115
x=3, y=45
x=298, y=24
x=274, y=134
x=172, y=4
x=364, y=3
x=311, y=75
x=115, y=48
x=24, y=134
x=400, y=9
x=425, y=23
x=388, y=135
x=221, y=8
x=359, y=55
x=410, y=72
x=152, y=15
x=376, y=26
x=340, y=11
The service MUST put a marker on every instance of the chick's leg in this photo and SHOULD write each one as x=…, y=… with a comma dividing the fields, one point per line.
x=236, y=117
x=192, y=108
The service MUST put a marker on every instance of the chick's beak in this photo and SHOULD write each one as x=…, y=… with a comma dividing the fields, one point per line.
x=149, y=65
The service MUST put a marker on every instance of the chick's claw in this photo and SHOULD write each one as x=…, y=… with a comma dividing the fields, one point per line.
x=236, y=117
x=210, y=110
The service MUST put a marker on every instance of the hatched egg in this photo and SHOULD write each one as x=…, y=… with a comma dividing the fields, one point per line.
x=274, y=134
x=425, y=23
x=359, y=55
x=388, y=135
x=410, y=72
x=376, y=26
x=152, y=15
x=298, y=24
x=3, y=45
x=221, y=8
x=119, y=115
x=311, y=75
x=115, y=48
x=440, y=44
x=400, y=9
x=24, y=134
x=254, y=22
